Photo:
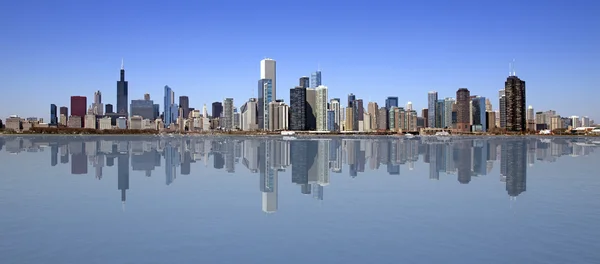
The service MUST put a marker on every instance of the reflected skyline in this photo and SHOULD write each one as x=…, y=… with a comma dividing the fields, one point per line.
x=312, y=162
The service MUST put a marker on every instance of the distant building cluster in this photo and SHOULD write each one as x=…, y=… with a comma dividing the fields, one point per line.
x=309, y=109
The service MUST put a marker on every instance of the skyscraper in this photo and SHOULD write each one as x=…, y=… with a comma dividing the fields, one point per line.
x=304, y=82
x=97, y=106
x=108, y=109
x=502, y=106
x=53, y=115
x=448, y=102
x=530, y=118
x=268, y=70
x=217, y=109
x=265, y=97
x=354, y=115
x=311, y=109
x=78, y=107
x=122, y=93
x=168, y=106
x=298, y=107
x=337, y=113
x=321, y=107
x=360, y=110
x=391, y=101
x=516, y=119
x=478, y=114
x=315, y=79
x=248, y=116
x=64, y=110
x=227, y=114
x=463, y=98
x=184, y=102
x=432, y=98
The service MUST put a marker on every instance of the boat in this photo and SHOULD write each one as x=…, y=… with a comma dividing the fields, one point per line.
x=289, y=138
x=409, y=136
x=442, y=134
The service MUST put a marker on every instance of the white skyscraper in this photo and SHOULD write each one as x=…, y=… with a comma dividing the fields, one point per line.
x=97, y=106
x=575, y=121
x=448, y=103
x=409, y=106
x=335, y=106
x=321, y=115
x=585, y=121
x=268, y=71
x=205, y=111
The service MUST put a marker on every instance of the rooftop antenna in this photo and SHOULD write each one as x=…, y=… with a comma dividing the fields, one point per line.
x=513, y=66
x=510, y=69
x=122, y=64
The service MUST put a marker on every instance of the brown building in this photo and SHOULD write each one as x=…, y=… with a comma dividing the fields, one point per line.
x=516, y=110
x=463, y=98
x=425, y=115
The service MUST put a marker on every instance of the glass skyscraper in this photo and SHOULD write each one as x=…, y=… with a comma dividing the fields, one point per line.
x=391, y=101
x=265, y=96
x=53, y=115
x=315, y=79
x=432, y=98
x=171, y=111
x=122, y=93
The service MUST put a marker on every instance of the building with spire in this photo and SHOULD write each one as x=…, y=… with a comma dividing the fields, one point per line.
x=516, y=109
x=122, y=92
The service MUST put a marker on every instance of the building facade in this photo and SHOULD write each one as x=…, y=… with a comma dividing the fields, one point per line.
x=122, y=93
x=298, y=113
x=78, y=108
x=516, y=119
x=265, y=97
x=268, y=71
x=227, y=123
x=321, y=101
x=463, y=99
x=432, y=98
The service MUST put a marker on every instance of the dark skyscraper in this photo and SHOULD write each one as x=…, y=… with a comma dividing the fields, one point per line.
x=123, y=175
x=78, y=107
x=122, y=91
x=463, y=118
x=184, y=102
x=53, y=115
x=516, y=109
x=298, y=107
x=304, y=82
x=108, y=109
x=64, y=111
x=359, y=109
x=425, y=115
x=217, y=109
x=391, y=101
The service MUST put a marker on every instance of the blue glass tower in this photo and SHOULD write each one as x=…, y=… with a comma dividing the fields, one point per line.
x=391, y=101
x=265, y=96
x=53, y=115
x=315, y=79
x=167, y=106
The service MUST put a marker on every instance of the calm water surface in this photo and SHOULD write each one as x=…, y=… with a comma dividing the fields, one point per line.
x=340, y=200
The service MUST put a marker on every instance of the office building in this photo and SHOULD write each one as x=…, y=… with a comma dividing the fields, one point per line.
x=108, y=109
x=217, y=109
x=298, y=107
x=502, y=106
x=321, y=101
x=425, y=115
x=335, y=106
x=331, y=120
x=354, y=117
x=448, y=103
x=78, y=107
x=97, y=106
x=184, y=103
x=440, y=116
x=265, y=97
x=64, y=110
x=391, y=101
x=488, y=105
x=530, y=119
x=53, y=115
x=311, y=109
x=556, y=122
x=585, y=121
x=278, y=116
x=432, y=98
x=315, y=79
x=249, y=115
x=304, y=82
x=479, y=116
x=463, y=99
x=382, y=119
x=268, y=71
x=171, y=110
x=122, y=93
x=143, y=108
x=516, y=119
x=227, y=119
x=373, y=112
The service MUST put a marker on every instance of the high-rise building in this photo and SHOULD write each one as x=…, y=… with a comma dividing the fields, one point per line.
x=530, y=118
x=78, y=107
x=479, y=116
x=53, y=115
x=97, y=106
x=268, y=71
x=440, y=116
x=298, y=108
x=425, y=115
x=184, y=103
x=502, y=105
x=382, y=119
x=278, y=116
x=170, y=111
x=330, y=120
x=304, y=82
x=391, y=101
x=585, y=121
x=409, y=106
x=315, y=79
x=143, y=108
x=516, y=119
x=354, y=117
x=373, y=110
x=204, y=111
x=359, y=109
x=448, y=102
x=64, y=110
x=432, y=98
x=311, y=109
x=349, y=124
x=227, y=123
x=321, y=107
x=122, y=92
x=463, y=99
x=249, y=115
x=335, y=106
x=265, y=97
x=108, y=109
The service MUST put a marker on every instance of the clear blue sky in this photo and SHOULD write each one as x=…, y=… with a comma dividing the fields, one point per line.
x=210, y=50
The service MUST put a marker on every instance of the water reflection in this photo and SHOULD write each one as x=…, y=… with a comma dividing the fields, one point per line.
x=311, y=161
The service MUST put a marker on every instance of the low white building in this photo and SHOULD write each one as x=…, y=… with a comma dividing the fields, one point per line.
x=105, y=123
x=90, y=121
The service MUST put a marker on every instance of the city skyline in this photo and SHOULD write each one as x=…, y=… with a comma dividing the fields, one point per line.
x=396, y=67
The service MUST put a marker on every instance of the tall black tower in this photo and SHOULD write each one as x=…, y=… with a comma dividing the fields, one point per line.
x=122, y=92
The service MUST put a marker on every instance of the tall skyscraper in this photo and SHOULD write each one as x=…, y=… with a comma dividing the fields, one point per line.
x=122, y=93
x=168, y=109
x=463, y=99
x=53, y=115
x=304, y=82
x=268, y=71
x=97, y=106
x=354, y=115
x=425, y=115
x=298, y=108
x=311, y=109
x=373, y=110
x=391, y=101
x=265, y=97
x=337, y=113
x=321, y=108
x=249, y=115
x=108, y=109
x=217, y=109
x=530, y=118
x=516, y=119
x=432, y=98
x=360, y=110
x=440, y=116
x=78, y=107
x=479, y=116
x=409, y=106
x=184, y=102
x=227, y=114
x=502, y=106
x=315, y=79
x=204, y=111
x=448, y=102
x=488, y=105
x=64, y=110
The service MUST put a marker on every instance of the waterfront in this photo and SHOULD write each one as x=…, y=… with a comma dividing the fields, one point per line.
x=266, y=200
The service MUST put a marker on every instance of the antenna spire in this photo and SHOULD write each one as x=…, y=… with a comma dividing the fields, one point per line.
x=513, y=66
x=122, y=64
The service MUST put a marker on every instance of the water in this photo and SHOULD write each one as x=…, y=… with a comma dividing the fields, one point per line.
x=266, y=200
